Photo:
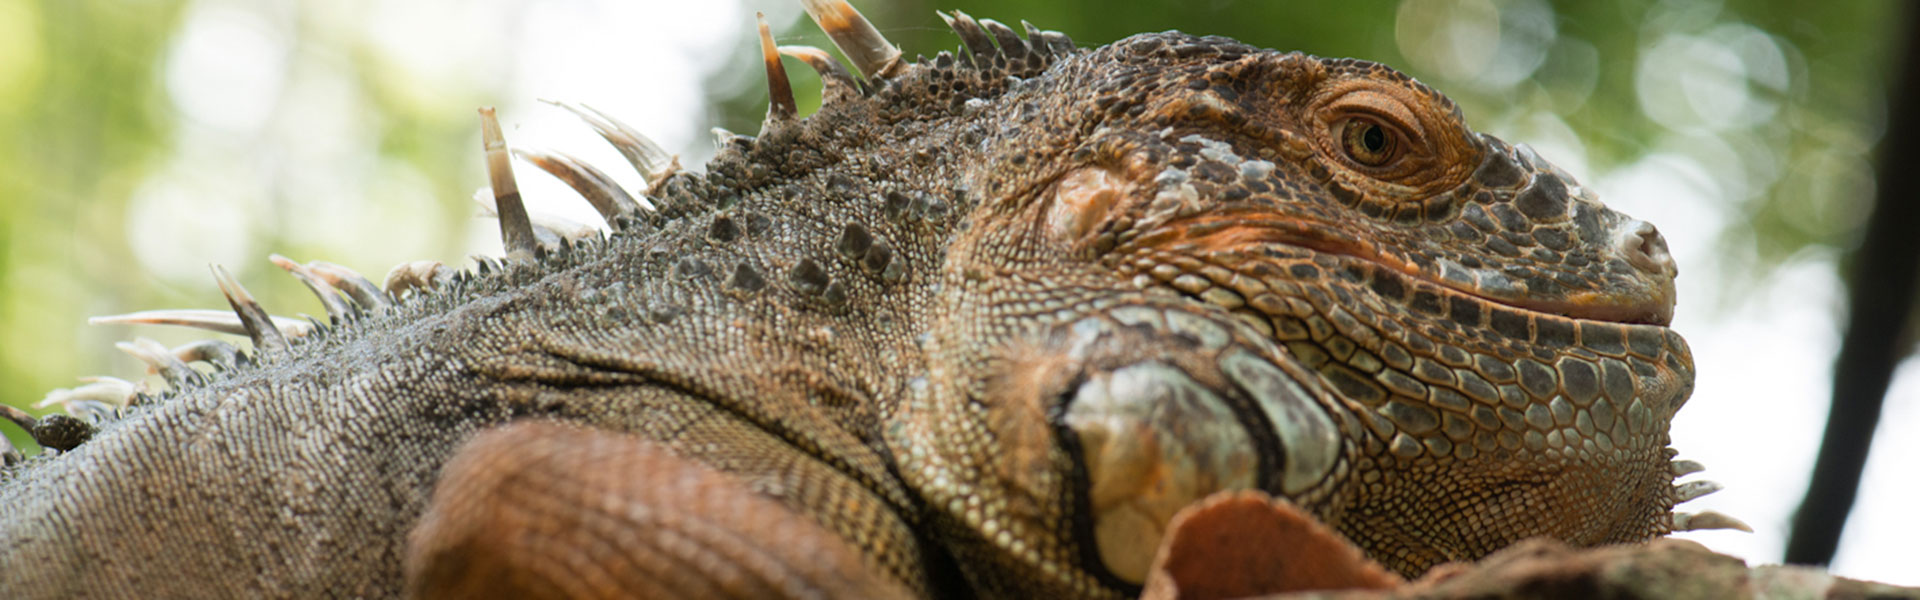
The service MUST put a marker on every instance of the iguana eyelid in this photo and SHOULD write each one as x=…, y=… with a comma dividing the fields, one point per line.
x=1379, y=105
x=1411, y=146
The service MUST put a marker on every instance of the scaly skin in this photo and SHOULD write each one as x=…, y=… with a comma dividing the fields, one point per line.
x=1392, y=296
x=985, y=329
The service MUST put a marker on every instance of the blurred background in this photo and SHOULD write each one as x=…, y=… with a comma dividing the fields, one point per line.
x=141, y=140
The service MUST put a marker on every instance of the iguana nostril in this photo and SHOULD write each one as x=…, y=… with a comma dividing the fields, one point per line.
x=1640, y=243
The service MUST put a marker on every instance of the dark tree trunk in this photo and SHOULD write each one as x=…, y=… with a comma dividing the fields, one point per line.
x=1886, y=269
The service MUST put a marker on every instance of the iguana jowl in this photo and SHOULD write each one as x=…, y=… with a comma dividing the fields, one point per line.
x=981, y=325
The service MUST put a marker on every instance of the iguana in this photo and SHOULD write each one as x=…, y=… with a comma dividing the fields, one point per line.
x=980, y=326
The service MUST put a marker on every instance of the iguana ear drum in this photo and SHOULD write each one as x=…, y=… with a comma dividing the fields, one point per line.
x=1153, y=440
x=1309, y=438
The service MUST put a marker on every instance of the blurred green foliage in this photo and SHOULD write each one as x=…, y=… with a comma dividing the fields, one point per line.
x=79, y=123
x=87, y=121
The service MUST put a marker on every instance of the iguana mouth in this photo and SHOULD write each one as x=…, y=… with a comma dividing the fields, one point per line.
x=1649, y=301
x=1645, y=298
x=1600, y=265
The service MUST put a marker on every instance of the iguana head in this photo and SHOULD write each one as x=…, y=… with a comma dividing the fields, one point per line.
x=1196, y=265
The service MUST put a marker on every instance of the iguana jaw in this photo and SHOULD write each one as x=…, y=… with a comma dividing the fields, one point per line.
x=1566, y=384
x=1646, y=300
x=1608, y=267
x=1582, y=422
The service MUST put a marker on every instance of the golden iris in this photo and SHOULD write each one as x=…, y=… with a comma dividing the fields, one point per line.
x=1367, y=142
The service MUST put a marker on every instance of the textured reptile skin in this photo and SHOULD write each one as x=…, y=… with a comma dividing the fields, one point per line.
x=984, y=326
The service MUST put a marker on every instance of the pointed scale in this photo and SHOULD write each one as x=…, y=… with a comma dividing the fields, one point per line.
x=259, y=326
x=329, y=296
x=516, y=230
x=424, y=276
x=1036, y=41
x=606, y=196
x=108, y=390
x=357, y=286
x=781, y=107
x=1694, y=489
x=870, y=52
x=979, y=43
x=220, y=321
x=652, y=161
x=160, y=360
x=838, y=86
x=220, y=354
x=1683, y=468
x=1011, y=45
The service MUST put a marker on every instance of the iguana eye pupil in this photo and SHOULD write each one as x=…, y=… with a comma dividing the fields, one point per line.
x=1367, y=142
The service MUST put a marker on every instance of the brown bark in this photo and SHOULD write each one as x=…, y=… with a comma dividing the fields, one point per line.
x=1881, y=298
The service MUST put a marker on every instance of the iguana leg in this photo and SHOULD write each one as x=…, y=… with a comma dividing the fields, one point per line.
x=539, y=510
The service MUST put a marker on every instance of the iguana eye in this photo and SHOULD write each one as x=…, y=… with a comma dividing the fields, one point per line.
x=1369, y=142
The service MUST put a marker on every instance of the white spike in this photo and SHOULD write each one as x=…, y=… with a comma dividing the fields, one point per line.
x=111, y=390
x=422, y=275
x=357, y=287
x=148, y=351
x=1694, y=489
x=838, y=86
x=214, y=352
x=253, y=318
x=516, y=230
x=1683, y=468
x=647, y=156
x=782, y=107
x=159, y=360
x=855, y=36
x=606, y=196
x=329, y=296
x=222, y=321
